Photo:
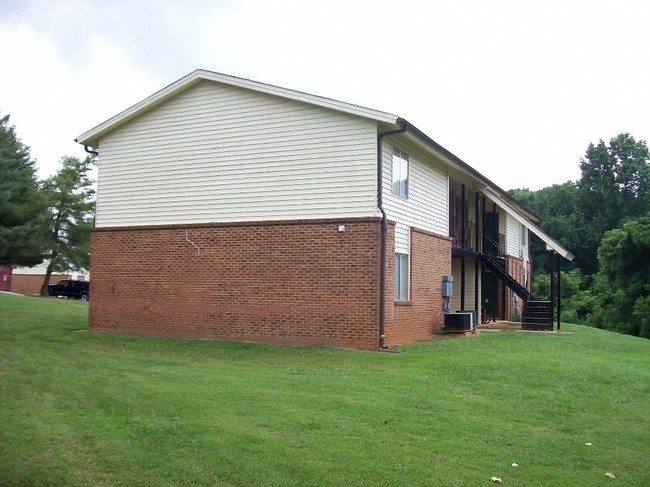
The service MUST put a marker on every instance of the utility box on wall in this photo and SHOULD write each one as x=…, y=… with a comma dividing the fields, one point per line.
x=447, y=286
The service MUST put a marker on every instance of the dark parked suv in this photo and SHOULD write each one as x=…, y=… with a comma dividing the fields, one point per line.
x=70, y=288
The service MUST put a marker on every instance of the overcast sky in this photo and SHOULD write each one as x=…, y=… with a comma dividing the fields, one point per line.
x=517, y=89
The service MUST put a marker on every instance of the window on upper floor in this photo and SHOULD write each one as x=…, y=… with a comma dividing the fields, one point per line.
x=400, y=173
x=523, y=235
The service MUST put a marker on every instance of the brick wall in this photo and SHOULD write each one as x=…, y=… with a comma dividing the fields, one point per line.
x=514, y=304
x=31, y=283
x=422, y=315
x=288, y=282
x=5, y=278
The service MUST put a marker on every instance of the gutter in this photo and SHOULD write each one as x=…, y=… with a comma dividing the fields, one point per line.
x=384, y=232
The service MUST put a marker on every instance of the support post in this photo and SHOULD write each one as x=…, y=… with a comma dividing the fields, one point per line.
x=476, y=232
x=559, y=290
x=463, y=212
x=552, y=278
x=495, y=228
x=482, y=247
x=476, y=249
x=477, y=268
x=462, y=283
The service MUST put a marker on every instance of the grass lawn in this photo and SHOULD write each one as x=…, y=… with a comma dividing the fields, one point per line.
x=79, y=408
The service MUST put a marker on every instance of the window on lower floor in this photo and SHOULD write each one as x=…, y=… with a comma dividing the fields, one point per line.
x=401, y=277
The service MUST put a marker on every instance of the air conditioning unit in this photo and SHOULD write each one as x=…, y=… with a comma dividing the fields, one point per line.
x=462, y=321
x=474, y=314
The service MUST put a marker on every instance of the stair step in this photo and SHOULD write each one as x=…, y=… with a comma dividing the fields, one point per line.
x=537, y=327
x=538, y=320
x=538, y=315
x=532, y=312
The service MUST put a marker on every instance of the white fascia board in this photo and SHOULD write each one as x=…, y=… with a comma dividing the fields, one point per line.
x=300, y=96
x=550, y=243
x=91, y=137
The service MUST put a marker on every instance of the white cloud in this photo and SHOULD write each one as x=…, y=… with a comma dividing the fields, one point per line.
x=51, y=100
x=31, y=92
x=110, y=83
x=508, y=86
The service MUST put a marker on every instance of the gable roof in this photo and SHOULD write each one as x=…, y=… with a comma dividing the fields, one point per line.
x=92, y=136
x=499, y=196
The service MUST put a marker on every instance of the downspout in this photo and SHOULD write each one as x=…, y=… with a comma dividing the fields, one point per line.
x=384, y=232
x=93, y=153
x=90, y=151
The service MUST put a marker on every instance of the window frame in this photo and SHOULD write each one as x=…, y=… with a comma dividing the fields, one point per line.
x=400, y=186
x=402, y=277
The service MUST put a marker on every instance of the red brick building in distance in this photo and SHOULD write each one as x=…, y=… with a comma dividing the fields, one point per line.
x=233, y=209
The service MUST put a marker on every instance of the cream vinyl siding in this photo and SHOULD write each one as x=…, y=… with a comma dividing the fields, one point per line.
x=427, y=205
x=524, y=247
x=470, y=288
x=513, y=239
x=402, y=239
x=218, y=153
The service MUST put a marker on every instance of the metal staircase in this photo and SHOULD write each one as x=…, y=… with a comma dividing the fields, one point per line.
x=537, y=315
x=501, y=273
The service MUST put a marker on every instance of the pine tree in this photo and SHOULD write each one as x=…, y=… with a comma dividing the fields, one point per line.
x=21, y=204
x=69, y=194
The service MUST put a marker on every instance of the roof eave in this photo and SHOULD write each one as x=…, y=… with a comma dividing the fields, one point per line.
x=461, y=165
x=92, y=136
x=551, y=244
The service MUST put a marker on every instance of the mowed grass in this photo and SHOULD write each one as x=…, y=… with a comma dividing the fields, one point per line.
x=79, y=408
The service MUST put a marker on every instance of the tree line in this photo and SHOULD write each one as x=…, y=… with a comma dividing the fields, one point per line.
x=604, y=220
x=43, y=220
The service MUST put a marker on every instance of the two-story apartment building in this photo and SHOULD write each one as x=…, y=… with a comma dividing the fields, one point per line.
x=233, y=209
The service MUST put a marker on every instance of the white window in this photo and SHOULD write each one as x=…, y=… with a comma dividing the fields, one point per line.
x=401, y=277
x=400, y=173
x=523, y=235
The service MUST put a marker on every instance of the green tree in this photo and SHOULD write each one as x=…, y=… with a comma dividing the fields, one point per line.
x=557, y=206
x=571, y=284
x=614, y=186
x=620, y=296
x=69, y=194
x=21, y=204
